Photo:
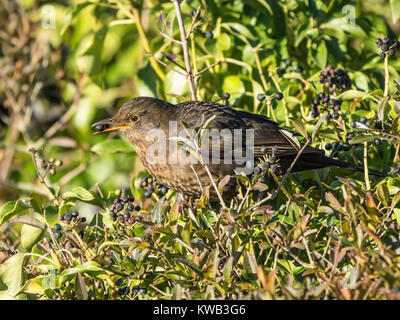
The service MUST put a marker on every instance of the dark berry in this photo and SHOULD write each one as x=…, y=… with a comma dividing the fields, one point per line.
x=299, y=69
x=315, y=102
x=227, y=95
x=209, y=35
x=288, y=62
x=67, y=217
x=278, y=96
x=57, y=234
x=265, y=165
x=386, y=40
x=260, y=97
x=280, y=72
x=382, y=55
x=274, y=168
x=321, y=96
x=118, y=206
x=257, y=170
x=335, y=115
x=392, y=52
x=378, y=124
x=123, y=291
x=346, y=146
x=328, y=116
x=385, y=47
x=124, y=199
x=83, y=219
x=363, y=120
x=130, y=207
x=57, y=227
x=339, y=147
x=353, y=124
x=350, y=135
x=378, y=42
x=328, y=146
x=138, y=208
x=377, y=142
x=74, y=214
x=264, y=150
x=164, y=190
x=61, y=218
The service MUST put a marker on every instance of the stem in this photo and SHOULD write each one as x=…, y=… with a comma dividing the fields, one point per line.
x=185, y=48
x=386, y=93
x=366, y=175
x=145, y=43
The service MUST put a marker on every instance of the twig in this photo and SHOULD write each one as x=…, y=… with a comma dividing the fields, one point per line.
x=366, y=173
x=164, y=64
x=205, y=69
x=185, y=48
x=386, y=93
x=170, y=38
x=193, y=22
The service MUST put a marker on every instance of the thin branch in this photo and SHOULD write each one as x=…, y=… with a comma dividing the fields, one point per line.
x=164, y=64
x=185, y=48
x=170, y=38
x=193, y=22
x=205, y=69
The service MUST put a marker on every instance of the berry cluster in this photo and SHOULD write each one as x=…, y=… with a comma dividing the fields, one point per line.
x=277, y=96
x=71, y=217
x=325, y=102
x=336, y=147
x=150, y=184
x=378, y=125
x=51, y=165
x=270, y=163
x=135, y=290
x=57, y=231
x=289, y=68
x=335, y=79
x=122, y=209
x=388, y=46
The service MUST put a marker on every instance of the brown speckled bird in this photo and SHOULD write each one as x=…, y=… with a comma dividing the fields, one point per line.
x=140, y=118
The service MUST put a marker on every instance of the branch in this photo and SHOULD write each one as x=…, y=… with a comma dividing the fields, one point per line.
x=185, y=48
x=205, y=69
x=164, y=64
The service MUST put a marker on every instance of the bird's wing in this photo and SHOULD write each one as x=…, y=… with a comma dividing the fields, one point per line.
x=267, y=133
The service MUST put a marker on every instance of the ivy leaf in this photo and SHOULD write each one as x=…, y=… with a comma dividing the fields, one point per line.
x=112, y=146
x=80, y=193
x=10, y=209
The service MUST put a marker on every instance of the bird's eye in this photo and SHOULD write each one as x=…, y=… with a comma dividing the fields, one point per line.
x=134, y=119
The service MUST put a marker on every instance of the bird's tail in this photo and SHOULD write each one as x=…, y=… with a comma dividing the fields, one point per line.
x=355, y=167
x=315, y=161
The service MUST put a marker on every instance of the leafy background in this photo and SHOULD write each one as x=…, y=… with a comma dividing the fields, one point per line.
x=324, y=237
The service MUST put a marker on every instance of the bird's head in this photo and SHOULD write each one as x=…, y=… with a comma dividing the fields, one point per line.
x=138, y=115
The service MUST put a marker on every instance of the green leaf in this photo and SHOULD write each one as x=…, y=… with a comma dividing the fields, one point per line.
x=352, y=94
x=51, y=215
x=224, y=42
x=300, y=127
x=395, y=8
x=234, y=85
x=80, y=287
x=30, y=235
x=321, y=55
x=80, y=193
x=156, y=216
x=12, y=278
x=11, y=208
x=362, y=139
x=318, y=126
x=112, y=146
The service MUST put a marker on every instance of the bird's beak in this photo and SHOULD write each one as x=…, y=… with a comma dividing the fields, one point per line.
x=108, y=125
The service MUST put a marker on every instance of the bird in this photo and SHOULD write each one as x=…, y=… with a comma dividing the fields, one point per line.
x=167, y=139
